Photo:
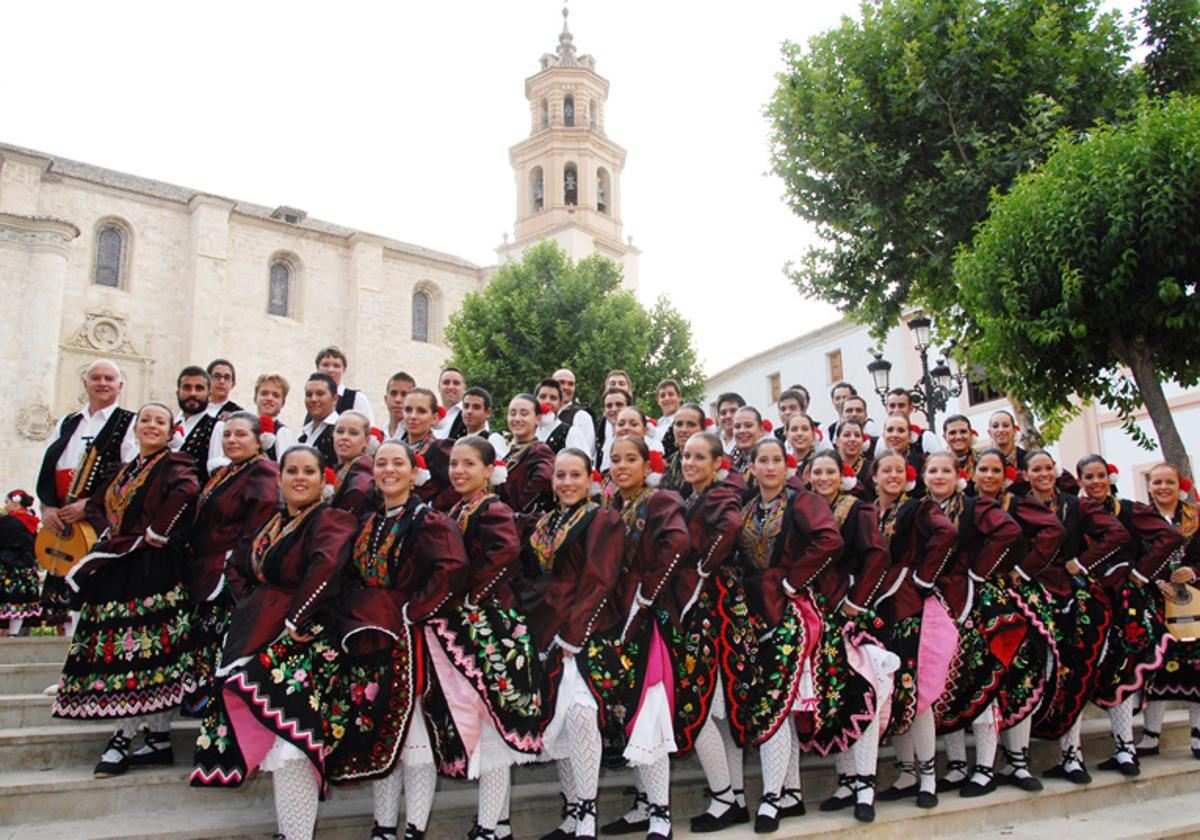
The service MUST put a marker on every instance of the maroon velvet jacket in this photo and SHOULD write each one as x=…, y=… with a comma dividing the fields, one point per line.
x=235, y=510
x=299, y=577
x=808, y=543
x=921, y=548
x=713, y=522
x=527, y=491
x=989, y=542
x=493, y=551
x=161, y=504
x=437, y=492
x=1095, y=538
x=426, y=568
x=1043, y=534
x=662, y=547
x=1152, y=541
x=568, y=600
x=865, y=559
x=354, y=494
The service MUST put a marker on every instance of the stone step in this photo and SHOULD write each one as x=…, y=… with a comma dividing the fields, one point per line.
x=35, y=795
x=1163, y=802
x=28, y=677
x=20, y=649
x=18, y=710
x=1169, y=817
x=76, y=744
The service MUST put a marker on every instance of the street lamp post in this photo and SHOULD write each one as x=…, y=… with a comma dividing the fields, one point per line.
x=935, y=387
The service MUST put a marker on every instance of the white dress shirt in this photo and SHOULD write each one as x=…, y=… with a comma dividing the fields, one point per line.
x=361, y=403
x=90, y=425
x=216, y=452
x=441, y=429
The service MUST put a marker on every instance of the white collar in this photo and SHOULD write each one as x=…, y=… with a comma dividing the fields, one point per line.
x=105, y=412
x=330, y=420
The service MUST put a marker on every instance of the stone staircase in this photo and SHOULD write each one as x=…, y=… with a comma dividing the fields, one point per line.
x=47, y=791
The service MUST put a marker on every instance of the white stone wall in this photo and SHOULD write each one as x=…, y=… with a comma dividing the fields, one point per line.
x=195, y=287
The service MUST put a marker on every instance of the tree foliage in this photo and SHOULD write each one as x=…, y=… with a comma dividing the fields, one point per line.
x=891, y=131
x=1085, y=277
x=1173, y=37
x=547, y=312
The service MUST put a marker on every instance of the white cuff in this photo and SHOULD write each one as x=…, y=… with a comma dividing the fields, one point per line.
x=1021, y=572
x=921, y=583
x=1139, y=575
x=788, y=588
x=641, y=601
x=847, y=600
x=404, y=615
x=289, y=624
x=974, y=576
x=154, y=535
x=571, y=649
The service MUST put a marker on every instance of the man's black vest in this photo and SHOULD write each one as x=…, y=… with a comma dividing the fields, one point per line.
x=108, y=458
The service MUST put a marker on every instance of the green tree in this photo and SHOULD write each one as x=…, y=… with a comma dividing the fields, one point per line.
x=890, y=131
x=547, y=312
x=1173, y=36
x=1084, y=280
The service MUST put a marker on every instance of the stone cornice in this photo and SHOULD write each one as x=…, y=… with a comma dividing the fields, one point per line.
x=44, y=234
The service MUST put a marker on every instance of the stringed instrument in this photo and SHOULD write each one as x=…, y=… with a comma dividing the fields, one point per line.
x=58, y=551
x=1183, y=613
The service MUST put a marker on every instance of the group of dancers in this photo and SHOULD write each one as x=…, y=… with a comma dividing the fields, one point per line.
x=434, y=598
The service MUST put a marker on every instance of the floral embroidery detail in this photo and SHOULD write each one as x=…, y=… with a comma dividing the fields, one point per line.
x=124, y=488
x=552, y=530
x=221, y=477
x=761, y=526
x=273, y=532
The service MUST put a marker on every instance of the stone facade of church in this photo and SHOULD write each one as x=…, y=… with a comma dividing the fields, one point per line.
x=96, y=263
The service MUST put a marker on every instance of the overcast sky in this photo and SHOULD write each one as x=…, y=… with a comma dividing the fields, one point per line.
x=396, y=118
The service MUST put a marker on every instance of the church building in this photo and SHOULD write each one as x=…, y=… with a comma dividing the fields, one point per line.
x=96, y=263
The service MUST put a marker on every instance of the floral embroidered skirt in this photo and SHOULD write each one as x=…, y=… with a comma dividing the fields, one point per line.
x=845, y=695
x=282, y=693
x=1081, y=629
x=989, y=638
x=55, y=601
x=1025, y=688
x=695, y=651
x=1138, y=640
x=20, y=595
x=1178, y=678
x=131, y=654
x=370, y=706
x=209, y=621
x=905, y=642
x=763, y=665
x=611, y=669
x=487, y=668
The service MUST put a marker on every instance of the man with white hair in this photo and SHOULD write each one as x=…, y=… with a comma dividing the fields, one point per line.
x=101, y=427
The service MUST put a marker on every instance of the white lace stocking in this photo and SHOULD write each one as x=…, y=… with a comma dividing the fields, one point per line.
x=420, y=783
x=710, y=750
x=296, y=797
x=386, y=793
x=493, y=795
x=1152, y=721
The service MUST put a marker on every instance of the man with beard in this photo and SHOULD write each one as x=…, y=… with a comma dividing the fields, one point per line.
x=197, y=432
x=223, y=378
x=100, y=426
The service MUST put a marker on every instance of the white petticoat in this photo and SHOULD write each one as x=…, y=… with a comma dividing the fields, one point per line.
x=572, y=690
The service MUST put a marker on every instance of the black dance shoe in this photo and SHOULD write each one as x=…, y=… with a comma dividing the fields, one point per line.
x=115, y=760
x=624, y=825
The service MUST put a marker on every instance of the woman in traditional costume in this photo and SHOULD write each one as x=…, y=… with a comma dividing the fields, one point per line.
x=853, y=670
x=237, y=500
x=898, y=436
x=851, y=442
x=802, y=435
x=689, y=420
x=1029, y=684
x=1138, y=636
x=20, y=596
x=353, y=479
x=529, y=465
x=788, y=537
x=712, y=510
x=421, y=412
x=269, y=708
x=1082, y=611
x=921, y=541
x=407, y=566
x=656, y=541
x=488, y=677
x=571, y=568
x=991, y=625
x=1179, y=676
x=130, y=656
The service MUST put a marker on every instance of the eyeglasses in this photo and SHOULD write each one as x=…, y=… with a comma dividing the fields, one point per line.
x=223, y=377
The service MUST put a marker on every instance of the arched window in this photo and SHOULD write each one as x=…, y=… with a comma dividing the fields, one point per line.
x=537, y=189
x=420, y=316
x=570, y=184
x=279, y=290
x=110, y=251
x=603, y=190
x=545, y=114
x=569, y=111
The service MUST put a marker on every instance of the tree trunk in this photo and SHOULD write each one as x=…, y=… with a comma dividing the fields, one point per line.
x=1145, y=374
x=1031, y=438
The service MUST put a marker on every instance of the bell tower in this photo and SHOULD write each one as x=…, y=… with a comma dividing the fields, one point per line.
x=568, y=171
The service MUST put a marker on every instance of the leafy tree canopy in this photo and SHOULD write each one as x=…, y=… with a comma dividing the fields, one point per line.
x=1084, y=280
x=890, y=132
x=547, y=312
